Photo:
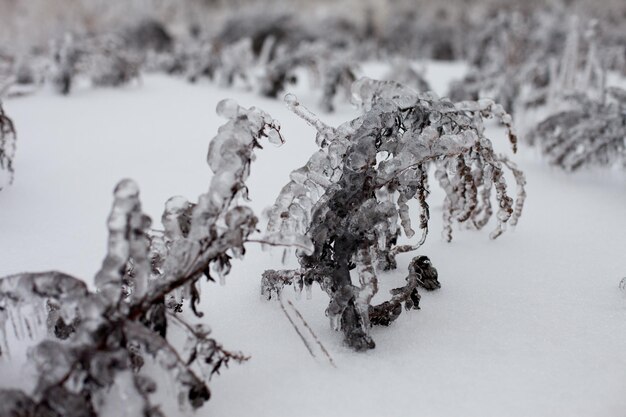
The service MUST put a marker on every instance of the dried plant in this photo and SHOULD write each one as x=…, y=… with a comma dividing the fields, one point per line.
x=100, y=346
x=8, y=138
x=347, y=207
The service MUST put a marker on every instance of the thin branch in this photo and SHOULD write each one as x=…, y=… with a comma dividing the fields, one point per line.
x=239, y=357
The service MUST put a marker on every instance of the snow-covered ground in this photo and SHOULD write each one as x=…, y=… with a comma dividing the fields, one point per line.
x=532, y=324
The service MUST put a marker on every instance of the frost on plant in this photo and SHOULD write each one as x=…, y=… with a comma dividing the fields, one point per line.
x=348, y=206
x=101, y=348
x=8, y=138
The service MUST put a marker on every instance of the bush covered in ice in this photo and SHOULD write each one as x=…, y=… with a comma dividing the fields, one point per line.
x=347, y=207
x=101, y=348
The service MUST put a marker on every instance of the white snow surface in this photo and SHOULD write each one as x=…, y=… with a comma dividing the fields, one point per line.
x=532, y=324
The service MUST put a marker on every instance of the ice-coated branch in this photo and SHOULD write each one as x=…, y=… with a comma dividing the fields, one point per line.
x=324, y=130
x=128, y=243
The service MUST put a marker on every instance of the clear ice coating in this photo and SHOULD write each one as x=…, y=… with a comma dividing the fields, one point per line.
x=349, y=202
x=32, y=304
x=127, y=240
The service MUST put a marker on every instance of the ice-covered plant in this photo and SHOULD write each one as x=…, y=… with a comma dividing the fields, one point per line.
x=65, y=64
x=431, y=31
x=576, y=70
x=591, y=132
x=333, y=69
x=8, y=138
x=149, y=34
x=104, y=348
x=110, y=63
x=505, y=55
x=403, y=72
x=347, y=207
x=582, y=121
x=236, y=62
x=516, y=59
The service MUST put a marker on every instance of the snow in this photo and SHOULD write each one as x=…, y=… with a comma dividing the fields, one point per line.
x=531, y=324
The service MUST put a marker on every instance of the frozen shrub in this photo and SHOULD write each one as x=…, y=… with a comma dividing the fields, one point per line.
x=203, y=61
x=65, y=65
x=576, y=69
x=106, y=60
x=259, y=26
x=25, y=74
x=504, y=55
x=111, y=63
x=403, y=72
x=100, y=346
x=582, y=120
x=236, y=63
x=523, y=60
x=337, y=73
x=334, y=70
x=149, y=35
x=347, y=207
x=429, y=31
x=8, y=138
x=591, y=132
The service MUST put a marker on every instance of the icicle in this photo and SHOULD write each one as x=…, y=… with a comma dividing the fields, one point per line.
x=403, y=209
x=297, y=288
x=127, y=239
x=335, y=322
x=325, y=132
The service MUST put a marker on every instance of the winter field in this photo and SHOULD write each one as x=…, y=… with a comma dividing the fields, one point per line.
x=531, y=324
